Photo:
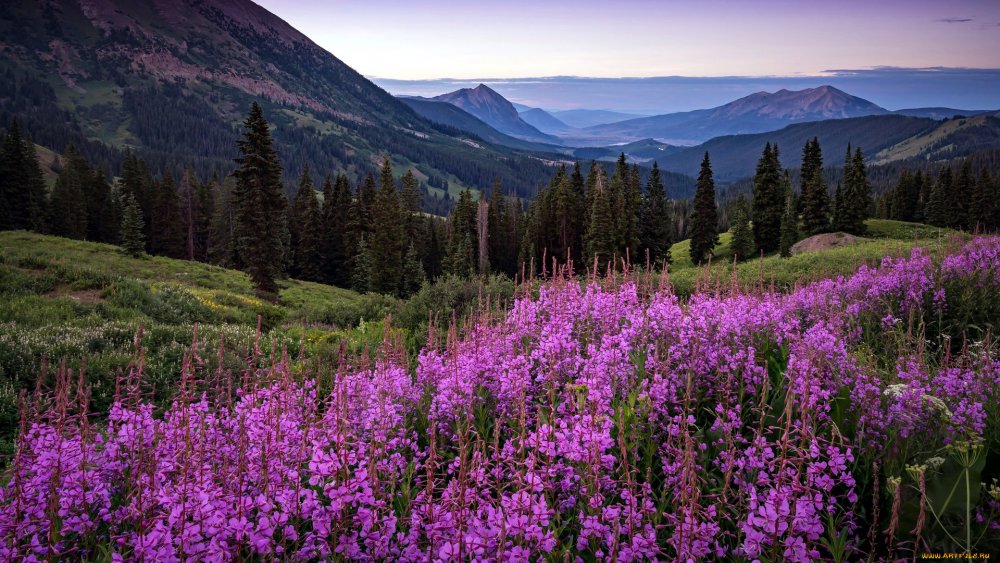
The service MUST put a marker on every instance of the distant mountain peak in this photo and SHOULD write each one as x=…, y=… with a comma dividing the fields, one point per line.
x=492, y=108
x=809, y=104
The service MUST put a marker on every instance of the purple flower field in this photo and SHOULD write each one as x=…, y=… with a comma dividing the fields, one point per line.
x=852, y=419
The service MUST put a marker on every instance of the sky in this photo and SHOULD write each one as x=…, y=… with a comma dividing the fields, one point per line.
x=398, y=42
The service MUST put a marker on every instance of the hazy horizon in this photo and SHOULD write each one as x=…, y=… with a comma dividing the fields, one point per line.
x=652, y=57
x=891, y=88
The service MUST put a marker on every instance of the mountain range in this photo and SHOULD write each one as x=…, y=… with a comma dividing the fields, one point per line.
x=173, y=79
x=496, y=111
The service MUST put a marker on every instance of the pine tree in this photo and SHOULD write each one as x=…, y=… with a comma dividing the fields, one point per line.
x=260, y=204
x=362, y=268
x=385, y=245
x=601, y=242
x=789, y=221
x=814, y=194
x=855, y=201
x=960, y=197
x=937, y=209
x=654, y=223
x=983, y=212
x=222, y=250
x=189, y=203
x=413, y=272
x=461, y=259
x=68, y=209
x=133, y=241
x=101, y=224
x=205, y=193
x=22, y=187
x=631, y=200
x=768, y=201
x=337, y=203
x=705, y=218
x=742, y=244
x=305, y=227
x=168, y=224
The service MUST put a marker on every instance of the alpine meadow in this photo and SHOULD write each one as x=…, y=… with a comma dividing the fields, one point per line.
x=560, y=281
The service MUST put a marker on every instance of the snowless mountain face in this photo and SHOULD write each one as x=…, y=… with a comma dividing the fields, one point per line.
x=496, y=111
x=812, y=104
x=756, y=113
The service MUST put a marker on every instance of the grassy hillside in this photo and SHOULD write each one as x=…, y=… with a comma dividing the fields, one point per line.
x=83, y=302
x=884, y=238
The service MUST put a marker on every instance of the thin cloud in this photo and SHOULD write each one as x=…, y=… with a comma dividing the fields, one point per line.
x=954, y=20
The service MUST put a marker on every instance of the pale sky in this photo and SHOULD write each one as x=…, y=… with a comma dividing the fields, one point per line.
x=643, y=38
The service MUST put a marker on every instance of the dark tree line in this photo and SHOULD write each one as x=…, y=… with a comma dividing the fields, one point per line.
x=373, y=236
x=957, y=197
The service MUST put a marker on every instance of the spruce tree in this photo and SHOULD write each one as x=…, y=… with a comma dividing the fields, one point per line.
x=768, y=200
x=362, y=267
x=601, y=242
x=68, y=209
x=789, y=222
x=133, y=241
x=742, y=244
x=413, y=272
x=938, y=204
x=222, y=250
x=260, y=204
x=704, y=219
x=960, y=197
x=983, y=210
x=337, y=202
x=814, y=195
x=385, y=245
x=461, y=258
x=23, y=202
x=855, y=201
x=168, y=224
x=654, y=223
x=305, y=227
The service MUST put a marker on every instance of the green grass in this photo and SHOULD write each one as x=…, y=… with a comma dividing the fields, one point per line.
x=680, y=252
x=83, y=302
x=884, y=238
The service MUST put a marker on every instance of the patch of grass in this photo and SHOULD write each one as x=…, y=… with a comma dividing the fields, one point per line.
x=680, y=252
x=886, y=238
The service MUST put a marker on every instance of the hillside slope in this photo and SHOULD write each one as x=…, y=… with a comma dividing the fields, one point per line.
x=174, y=78
x=736, y=156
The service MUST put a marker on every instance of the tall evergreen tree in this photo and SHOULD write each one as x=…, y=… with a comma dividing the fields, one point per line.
x=305, y=227
x=336, y=251
x=23, y=199
x=260, y=204
x=68, y=208
x=742, y=244
x=705, y=219
x=385, y=245
x=360, y=223
x=102, y=222
x=814, y=194
x=984, y=209
x=654, y=222
x=222, y=250
x=461, y=257
x=413, y=272
x=168, y=224
x=856, y=194
x=768, y=200
x=789, y=221
x=937, y=209
x=601, y=243
x=959, y=210
x=132, y=238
